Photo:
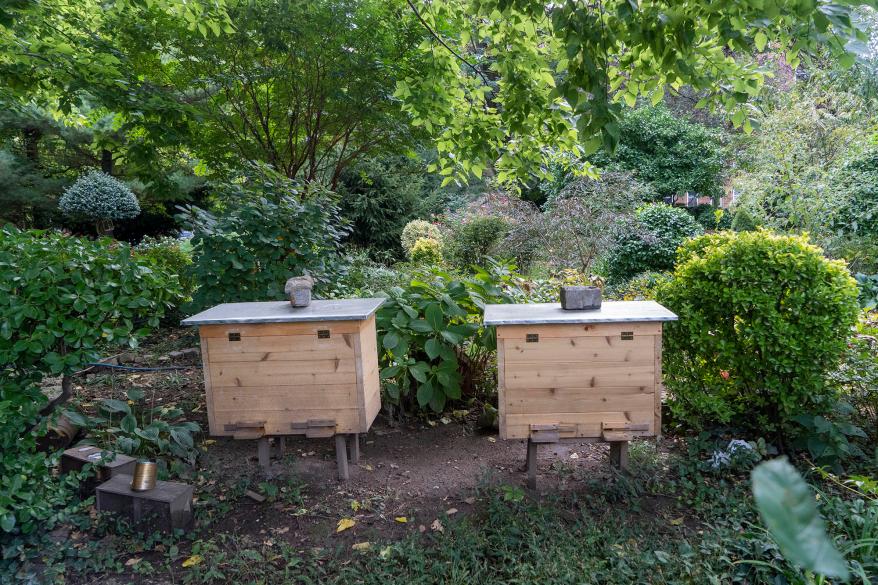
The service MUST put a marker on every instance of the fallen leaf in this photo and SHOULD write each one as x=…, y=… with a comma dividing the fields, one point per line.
x=401, y=519
x=437, y=526
x=492, y=440
x=361, y=546
x=355, y=505
x=283, y=530
x=209, y=442
x=445, y=420
x=470, y=501
x=344, y=524
x=192, y=561
x=422, y=528
x=385, y=552
x=368, y=467
x=451, y=511
x=132, y=561
x=574, y=455
x=677, y=521
x=459, y=413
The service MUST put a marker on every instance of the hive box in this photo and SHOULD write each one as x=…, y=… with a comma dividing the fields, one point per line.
x=166, y=507
x=579, y=374
x=271, y=369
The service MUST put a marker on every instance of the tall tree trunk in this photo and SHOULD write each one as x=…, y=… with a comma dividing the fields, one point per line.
x=32, y=144
x=107, y=161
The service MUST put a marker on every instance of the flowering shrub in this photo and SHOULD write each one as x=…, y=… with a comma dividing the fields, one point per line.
x=417, y=229
x=426, y=251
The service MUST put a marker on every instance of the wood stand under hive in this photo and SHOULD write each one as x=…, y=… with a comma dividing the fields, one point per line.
x=587, y=375
x=272, y=370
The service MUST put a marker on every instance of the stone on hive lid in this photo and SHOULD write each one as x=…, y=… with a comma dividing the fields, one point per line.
x=298, y=289
x=578, y=298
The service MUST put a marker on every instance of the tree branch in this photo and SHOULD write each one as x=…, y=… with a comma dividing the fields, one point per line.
x=444, y=44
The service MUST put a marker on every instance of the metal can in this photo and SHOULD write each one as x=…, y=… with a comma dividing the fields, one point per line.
x=144, y=476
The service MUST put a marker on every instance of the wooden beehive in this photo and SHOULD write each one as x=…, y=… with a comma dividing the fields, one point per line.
x=271, y=369
x=579, y=374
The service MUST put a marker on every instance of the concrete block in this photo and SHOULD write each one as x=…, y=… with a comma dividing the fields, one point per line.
x=107, y=465
x=578, y=298
x=164, y=508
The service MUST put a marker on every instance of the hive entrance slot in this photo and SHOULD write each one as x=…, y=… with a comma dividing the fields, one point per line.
x=627, y=335
x=323, y=334
x=532, y=338
x=234, y=337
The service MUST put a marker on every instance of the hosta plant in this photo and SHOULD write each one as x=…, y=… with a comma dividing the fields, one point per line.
x=136, y=428
x=431, y=340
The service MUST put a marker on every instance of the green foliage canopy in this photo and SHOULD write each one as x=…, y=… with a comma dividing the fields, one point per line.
x=517, y=84
x=671, y=154
x=267, y=229
x=650, y=242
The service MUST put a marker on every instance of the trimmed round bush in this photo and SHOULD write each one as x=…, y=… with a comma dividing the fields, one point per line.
x=471, y=242
x=762, y=319
x=98, y=197
x=651, y=244
x=417, y=229
x=426, y=251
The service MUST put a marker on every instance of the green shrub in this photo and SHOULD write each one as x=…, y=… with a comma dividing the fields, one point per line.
x=710, y=217
x=380, y=195
x=100, y=198
x=640, y=288
x=650, y=245
x=63, y=302
x=62, y=298
x=32, y=499
x=426, y=251
x=266, y=230
x=670, y=153
x=470, y=242
x=417, y=229
x=763, y=319
x=168, y=255
x=868, y=284
x=743, y=221
x=432, y=345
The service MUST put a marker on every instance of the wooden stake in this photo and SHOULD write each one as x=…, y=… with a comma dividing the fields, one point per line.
x=619, y=454
x=264, y=453
x=355, y=448
x=341, y=456
x=531, y=464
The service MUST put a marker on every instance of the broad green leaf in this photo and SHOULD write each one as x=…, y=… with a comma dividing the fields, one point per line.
x=434, y=316
x=760, y=40
x=433, y=347
x=789, y=511
x=425, y=393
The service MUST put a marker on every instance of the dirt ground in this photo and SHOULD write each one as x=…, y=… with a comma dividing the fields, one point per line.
x=410, y=476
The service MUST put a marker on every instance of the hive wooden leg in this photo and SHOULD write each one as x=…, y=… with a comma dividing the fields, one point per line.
x=262, y=450
x=619, y=454
x=341, y=456
x=281, y=447
x=531, y=464
x=355, y=448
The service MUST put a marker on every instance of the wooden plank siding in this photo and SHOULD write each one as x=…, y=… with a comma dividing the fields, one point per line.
x=582, y=377
x=283, y=373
